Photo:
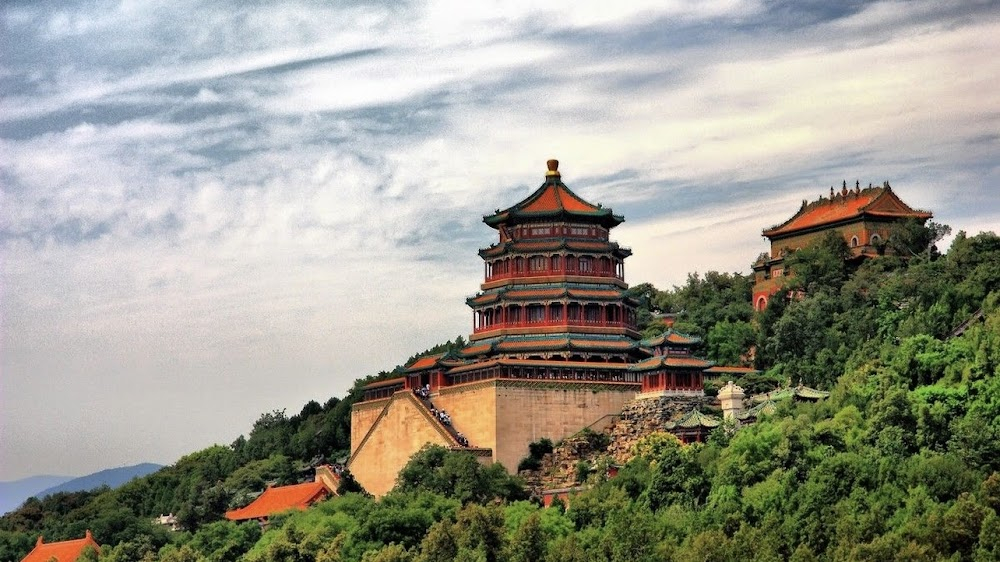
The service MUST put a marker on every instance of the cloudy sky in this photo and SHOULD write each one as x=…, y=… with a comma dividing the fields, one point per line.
x=210, y=210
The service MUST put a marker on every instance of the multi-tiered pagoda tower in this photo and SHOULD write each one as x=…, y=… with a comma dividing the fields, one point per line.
x=554, y=348
x=553, y=300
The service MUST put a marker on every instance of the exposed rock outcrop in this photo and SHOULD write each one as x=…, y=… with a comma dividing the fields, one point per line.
x=642, y=417
x=638, y=419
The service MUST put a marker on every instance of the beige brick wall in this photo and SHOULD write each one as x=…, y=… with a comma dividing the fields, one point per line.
x=473, y=409
x=398, y=435
x=363, y=415
x=526, y=414
x=507, y=416
x=504, y=416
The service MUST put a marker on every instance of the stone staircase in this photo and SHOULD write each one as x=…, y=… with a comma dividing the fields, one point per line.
x=449, y=428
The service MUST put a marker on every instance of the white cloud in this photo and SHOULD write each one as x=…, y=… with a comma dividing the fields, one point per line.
x=253, y=218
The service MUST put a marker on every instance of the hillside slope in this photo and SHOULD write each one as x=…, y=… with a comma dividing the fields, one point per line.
x=111, y=477
x=14, y=492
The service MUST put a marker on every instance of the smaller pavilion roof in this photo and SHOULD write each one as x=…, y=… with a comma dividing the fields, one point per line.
x=671, y=337
x=661, y=361
x=800, y=392
x=386, y=382
x=63, y=551
x=280, y=498
x=425, y=362
x=694, y=419
x=876, y=202
x=767, y=408
x=553, y=201
x=444, y=360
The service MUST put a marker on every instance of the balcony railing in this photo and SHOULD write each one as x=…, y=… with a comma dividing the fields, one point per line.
x=554, y=323
x=553, y=272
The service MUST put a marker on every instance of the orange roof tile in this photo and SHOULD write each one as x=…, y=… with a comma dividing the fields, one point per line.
x=64, y=551
x=669, y=361
x=280, y=498
x=596, y=293
x=671, y=337
x=485, y=298
x=536, y=293
x=474, y=366
x=646, y=364
x=874, y=201
x=602, y=344
x=553, y=199
x=425, y=362
x=555, y=196
x=532, y=344
x=386, y=382
x=580, y=245
x=674, y=337
x=476, y=349
x=537, y=245
x=493, y=250
x=686, y=362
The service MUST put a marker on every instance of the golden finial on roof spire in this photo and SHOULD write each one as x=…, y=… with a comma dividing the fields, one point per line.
x=553, y=168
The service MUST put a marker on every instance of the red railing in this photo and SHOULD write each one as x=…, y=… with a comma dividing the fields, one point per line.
x=551, y=272
x=554, y=323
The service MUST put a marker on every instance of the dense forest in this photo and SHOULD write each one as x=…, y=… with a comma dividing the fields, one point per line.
x=901, y=462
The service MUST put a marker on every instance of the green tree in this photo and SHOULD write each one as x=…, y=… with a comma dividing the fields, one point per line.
x=440, y=544
x=631, y=535
x=481, y=529
x=457, y=474
x=528, y=543
x=390, y=553
x=729, y=343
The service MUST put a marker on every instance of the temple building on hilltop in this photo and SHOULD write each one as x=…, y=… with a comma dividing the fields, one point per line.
x=864, y=217
x=554, y=348
x=63, y=551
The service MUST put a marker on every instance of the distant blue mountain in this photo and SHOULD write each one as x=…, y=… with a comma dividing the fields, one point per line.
x=13, y=493
x=112, y=478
